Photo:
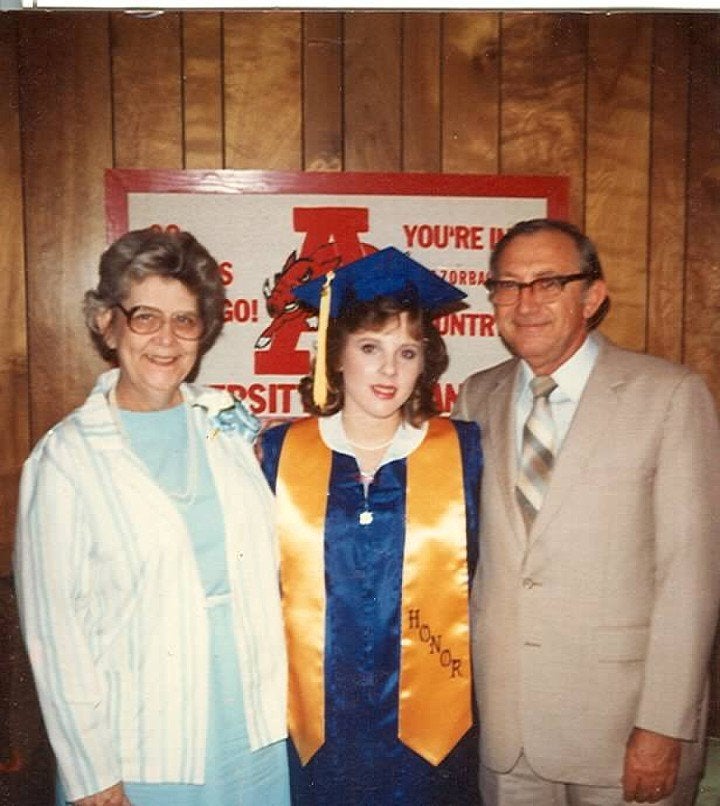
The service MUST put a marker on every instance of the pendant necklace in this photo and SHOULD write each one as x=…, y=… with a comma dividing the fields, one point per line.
x=183, y=497
x=365, y=518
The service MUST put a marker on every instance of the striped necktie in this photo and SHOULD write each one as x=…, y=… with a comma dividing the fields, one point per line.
x=538, y=450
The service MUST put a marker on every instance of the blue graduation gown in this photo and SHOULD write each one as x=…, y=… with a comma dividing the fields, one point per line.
x=362, y=762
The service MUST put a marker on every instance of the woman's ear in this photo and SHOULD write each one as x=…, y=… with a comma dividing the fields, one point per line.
x=103, y=325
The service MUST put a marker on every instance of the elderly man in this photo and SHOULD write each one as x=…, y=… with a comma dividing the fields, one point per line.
x=595, y=604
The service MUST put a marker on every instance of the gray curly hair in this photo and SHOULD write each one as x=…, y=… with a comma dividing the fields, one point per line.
x=148, y=252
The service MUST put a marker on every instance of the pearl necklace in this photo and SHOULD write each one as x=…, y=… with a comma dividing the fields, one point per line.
x=369, y=447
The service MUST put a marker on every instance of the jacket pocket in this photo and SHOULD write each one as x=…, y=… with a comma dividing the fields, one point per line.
x=618, y=644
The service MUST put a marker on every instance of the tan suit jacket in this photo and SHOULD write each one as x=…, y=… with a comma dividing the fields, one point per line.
x=603, y=617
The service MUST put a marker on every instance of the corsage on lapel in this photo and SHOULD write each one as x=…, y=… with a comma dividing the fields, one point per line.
x=227, y=413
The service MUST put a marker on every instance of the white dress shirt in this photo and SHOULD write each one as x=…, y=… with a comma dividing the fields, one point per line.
x=571, y=379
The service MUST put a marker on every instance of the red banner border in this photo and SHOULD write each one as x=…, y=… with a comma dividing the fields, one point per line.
x=119, y=183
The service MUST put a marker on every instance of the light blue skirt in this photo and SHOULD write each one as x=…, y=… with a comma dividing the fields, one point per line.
x=234, y=776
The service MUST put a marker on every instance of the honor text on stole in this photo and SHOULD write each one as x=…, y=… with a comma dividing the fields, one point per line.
x=425, y=634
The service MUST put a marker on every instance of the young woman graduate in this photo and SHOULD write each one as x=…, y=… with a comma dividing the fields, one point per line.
x=378, y=522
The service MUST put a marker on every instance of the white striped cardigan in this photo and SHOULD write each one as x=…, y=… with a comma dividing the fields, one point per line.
x=112, y=607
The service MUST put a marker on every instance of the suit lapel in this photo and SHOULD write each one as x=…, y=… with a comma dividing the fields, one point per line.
x=500, y=450
x=589, y=429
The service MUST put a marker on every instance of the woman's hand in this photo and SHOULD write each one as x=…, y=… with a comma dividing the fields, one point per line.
x=112, y=796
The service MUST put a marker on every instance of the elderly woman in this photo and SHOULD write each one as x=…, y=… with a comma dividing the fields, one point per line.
x=146, y=562
x=377, y=512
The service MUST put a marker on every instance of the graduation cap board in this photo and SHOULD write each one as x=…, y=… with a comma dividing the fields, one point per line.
x=386, y=273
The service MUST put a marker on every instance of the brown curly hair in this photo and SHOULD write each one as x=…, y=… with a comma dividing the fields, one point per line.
x=374, y=315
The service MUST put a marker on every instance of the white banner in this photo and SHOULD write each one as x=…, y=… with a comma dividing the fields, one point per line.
x=270, y=231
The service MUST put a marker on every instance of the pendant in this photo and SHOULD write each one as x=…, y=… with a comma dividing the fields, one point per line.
x=366, y=518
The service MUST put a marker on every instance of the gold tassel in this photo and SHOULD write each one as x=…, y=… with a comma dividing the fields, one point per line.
x=320, y=386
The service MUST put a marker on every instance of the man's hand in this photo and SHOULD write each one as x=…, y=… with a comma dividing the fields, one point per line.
x=112, y=796
x=651, y=766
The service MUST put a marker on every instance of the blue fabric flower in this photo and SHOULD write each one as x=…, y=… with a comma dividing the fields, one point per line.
x=227, y=413
x=239, y=419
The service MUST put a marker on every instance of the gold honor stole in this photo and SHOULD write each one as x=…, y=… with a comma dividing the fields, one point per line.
x=434, y=708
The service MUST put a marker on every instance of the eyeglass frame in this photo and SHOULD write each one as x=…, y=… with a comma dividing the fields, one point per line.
x=129, y=314
x=491, y=284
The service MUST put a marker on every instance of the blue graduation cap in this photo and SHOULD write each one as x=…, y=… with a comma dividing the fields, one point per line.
x=386, y=273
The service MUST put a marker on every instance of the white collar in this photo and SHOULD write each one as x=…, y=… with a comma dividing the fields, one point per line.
x=571, y=377
x=407, y=438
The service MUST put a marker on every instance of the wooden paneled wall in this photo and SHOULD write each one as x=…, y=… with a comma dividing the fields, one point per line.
x=626, y=105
